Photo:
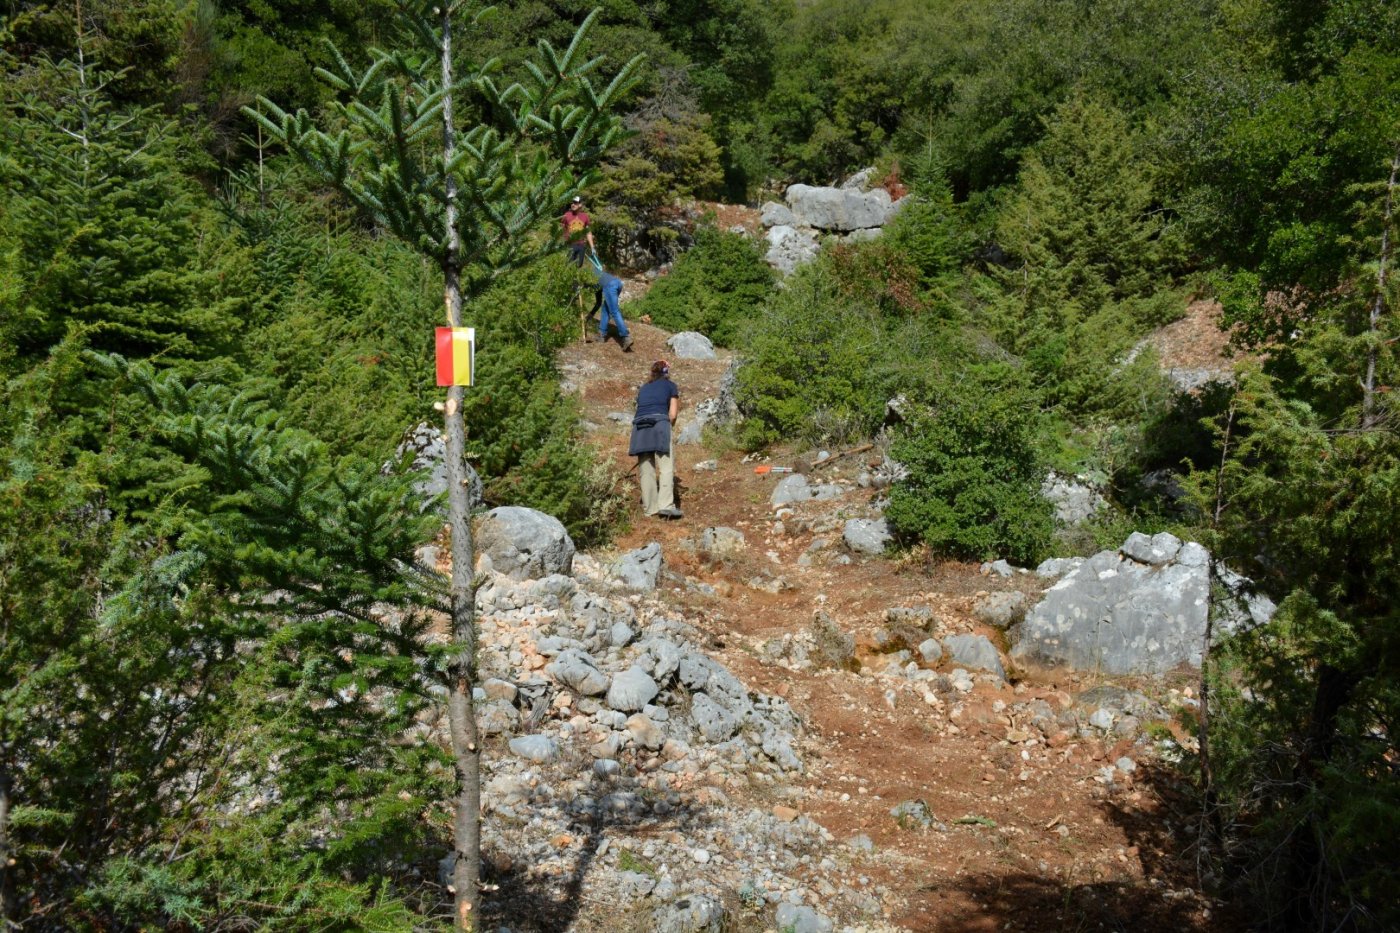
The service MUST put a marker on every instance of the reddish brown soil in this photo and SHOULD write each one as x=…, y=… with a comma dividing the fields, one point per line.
x=1125, y=861
x=1196, y=340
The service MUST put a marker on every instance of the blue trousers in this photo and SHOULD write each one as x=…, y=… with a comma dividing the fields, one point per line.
x=611, y=289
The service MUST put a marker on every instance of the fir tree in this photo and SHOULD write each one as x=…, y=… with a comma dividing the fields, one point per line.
x=106, y=229
x=1306, y=496
x=508, y=159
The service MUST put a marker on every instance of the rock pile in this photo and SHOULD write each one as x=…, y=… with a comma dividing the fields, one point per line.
x=621, y=741
x=849, y=211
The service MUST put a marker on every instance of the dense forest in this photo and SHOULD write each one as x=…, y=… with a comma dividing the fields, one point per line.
x=209, y=350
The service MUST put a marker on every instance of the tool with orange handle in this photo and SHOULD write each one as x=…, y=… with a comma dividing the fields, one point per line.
x=768, y=468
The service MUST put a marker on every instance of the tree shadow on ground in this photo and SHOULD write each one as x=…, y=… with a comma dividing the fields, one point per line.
x=548, y=896
x=1159, y=894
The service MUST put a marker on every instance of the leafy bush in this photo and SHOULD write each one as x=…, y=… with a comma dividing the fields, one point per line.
x=975, y=469
x=713, y=288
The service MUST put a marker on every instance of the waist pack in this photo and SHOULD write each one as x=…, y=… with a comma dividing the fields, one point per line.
x=646, y=421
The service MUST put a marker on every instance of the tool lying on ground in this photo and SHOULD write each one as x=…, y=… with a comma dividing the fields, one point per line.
x=845, y=453
x=760, y=470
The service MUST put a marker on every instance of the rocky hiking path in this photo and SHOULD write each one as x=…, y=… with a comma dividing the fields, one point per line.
x=943, y=797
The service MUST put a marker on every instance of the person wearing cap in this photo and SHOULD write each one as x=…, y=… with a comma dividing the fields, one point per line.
x=658, y=402
x=576, y=232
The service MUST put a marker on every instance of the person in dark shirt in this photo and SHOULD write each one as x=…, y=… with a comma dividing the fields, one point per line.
x=658, y=402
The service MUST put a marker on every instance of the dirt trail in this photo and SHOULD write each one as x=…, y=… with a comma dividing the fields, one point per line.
x=1034, y=840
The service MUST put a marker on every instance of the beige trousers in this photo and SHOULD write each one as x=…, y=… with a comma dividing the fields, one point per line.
x=658, y=479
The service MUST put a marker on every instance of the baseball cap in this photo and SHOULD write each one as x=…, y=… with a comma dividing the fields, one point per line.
x=577, y=200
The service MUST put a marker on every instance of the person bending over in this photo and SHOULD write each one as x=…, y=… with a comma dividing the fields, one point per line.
x=658, y=402
x=609, y=288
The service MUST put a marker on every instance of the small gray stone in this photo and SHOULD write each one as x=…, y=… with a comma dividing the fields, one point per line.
x=631, y=690
x=792, y=488
x=497, y=717
x=1056, y=567
x=775, y=214
x=1157, y=550
x=606, y=768
x=689, y=345
x=1193, y=555
x=931, y=651
x=537, y=748
x=666, y=657
x=524, y=544
x=1101, y=719
x=578, y=670
x=998, y=567
x=714, y=722
x=640, y=569
x=976, y=652
x=1001, y=610
x=1126, y=765
x=621, y=634
x=706, y=466
x=791, y=918
x=867, y=536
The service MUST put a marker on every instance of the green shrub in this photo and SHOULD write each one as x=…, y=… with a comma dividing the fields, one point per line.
x=808, y=365
x=929, y=230
x=821, y=360
x=716, y=286
x=975, y=469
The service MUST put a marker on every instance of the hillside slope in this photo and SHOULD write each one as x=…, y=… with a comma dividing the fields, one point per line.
x=1033, y=826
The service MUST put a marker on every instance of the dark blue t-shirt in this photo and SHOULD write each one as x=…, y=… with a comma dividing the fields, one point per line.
x=654, y=398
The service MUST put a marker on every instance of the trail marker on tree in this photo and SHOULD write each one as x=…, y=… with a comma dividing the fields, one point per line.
x=456, y=356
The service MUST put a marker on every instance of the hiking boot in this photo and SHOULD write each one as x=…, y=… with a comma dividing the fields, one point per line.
x=672, y=512
x=627, y=345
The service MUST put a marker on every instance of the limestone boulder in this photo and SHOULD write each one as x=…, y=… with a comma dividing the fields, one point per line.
x=1141, y=609
x=523, y=544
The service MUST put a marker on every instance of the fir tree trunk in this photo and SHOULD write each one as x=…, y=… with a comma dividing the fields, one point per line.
x=7, y=907
x=461, y=714
x=1368, y=402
